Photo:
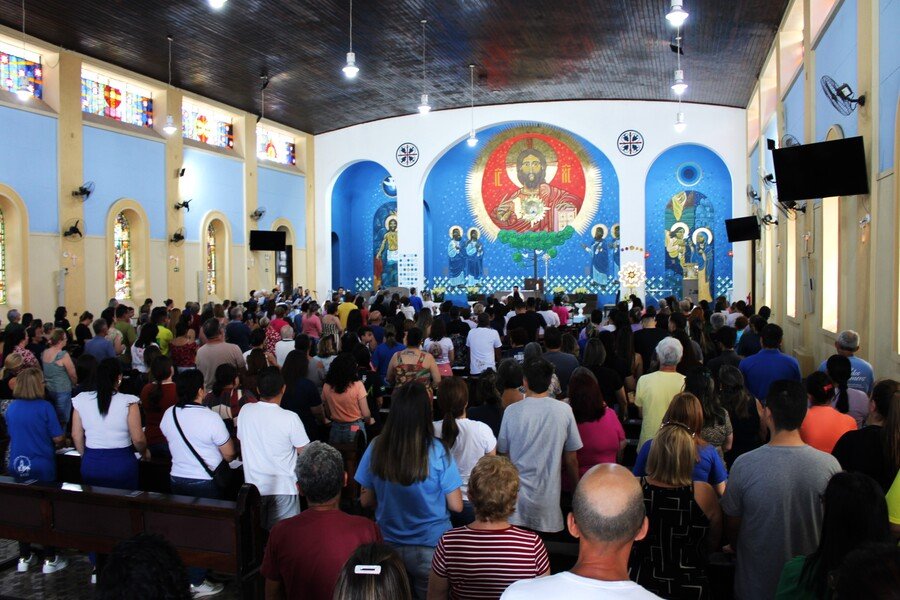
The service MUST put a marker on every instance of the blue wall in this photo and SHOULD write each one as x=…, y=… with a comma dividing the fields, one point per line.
x=836, y=57
x=124, y=166
x=447, y=205
x=358, y=194
x=889, y=69
x=216, y=183
x=700, y=172
x=794, y=108
x=28, y=165
x=283, y=195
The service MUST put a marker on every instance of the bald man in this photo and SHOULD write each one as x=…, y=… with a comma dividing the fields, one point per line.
x=607, y=518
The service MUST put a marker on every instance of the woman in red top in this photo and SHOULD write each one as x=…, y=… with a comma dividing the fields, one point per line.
x=823, y=426
x=156, y=397
x=183, y=349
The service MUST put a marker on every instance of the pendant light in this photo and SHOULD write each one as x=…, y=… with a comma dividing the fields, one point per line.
x=677, y=15
x=350, y=69
x=217, y=4
x=679, y=87
x=424, y=107
x=472, y=141
x=170, y=128
x=23, y=93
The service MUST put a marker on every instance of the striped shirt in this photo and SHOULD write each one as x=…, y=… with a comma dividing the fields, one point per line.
x=480, y=563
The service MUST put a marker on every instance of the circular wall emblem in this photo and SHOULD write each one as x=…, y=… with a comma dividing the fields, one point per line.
x=407, y=154
x=630, y=142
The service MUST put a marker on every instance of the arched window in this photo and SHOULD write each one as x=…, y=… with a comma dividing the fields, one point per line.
x=122, y=246
x=211, y=260
x=2, y=259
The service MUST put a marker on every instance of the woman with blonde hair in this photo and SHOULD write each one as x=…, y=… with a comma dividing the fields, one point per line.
x=34, y=435
x=685, y=520
x=685, y=410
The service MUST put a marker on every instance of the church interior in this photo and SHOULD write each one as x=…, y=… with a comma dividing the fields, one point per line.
x=583, y=154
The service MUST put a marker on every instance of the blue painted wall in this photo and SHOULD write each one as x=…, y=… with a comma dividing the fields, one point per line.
x=447, y=205
x=283, y=195
x=124, y=166
x=836, y=57
x=794, y=107
x=889, y=69
x=216, y=183
x=357, y=196
x=754, y=167
x=28, y=165
x=700, y=172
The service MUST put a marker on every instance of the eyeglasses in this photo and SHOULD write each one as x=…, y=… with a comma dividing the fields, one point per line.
x=677, y=424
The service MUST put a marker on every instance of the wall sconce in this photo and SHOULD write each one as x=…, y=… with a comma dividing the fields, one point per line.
x=175, y=260
x=185, y=204
x=258, y=214
x=180, y=172
x=71, y=256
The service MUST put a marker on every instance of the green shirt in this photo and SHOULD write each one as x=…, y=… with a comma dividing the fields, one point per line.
x=789, y=586
x=163, y=337
x=893, y=501
x=129, y=335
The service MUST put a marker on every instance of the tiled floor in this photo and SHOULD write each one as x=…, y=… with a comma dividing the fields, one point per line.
x=72, y=583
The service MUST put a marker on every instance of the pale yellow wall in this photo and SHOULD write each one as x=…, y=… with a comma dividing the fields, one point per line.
x=868, y=257
x=43, y=250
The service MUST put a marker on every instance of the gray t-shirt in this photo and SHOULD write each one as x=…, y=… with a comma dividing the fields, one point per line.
x=775, y=491
x=534, y=433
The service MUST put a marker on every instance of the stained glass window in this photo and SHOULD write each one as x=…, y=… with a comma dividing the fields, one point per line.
x=211, y=260
x=2, y=259
x=122, y=247
x=21, y=70
x=275, y=146
x=207, y=125
x=115, y=99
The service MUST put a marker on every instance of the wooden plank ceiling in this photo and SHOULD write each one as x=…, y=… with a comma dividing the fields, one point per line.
x=525, y=50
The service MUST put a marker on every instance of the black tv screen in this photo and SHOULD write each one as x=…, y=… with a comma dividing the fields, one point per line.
x=268, y=240
x=742, y=229
x=822, y=170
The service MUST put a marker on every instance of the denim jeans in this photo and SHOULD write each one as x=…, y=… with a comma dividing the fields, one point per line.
x=344, y=433
x=277, y=508
x=198, y=488
x=62, y=402
x=417, y=560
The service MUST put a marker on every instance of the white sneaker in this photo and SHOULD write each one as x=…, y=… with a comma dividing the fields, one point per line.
x=26, y=563
x=207, y=588
x=57, y=564
x=94, y=576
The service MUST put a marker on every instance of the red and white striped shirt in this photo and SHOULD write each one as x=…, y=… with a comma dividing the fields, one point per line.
x=480, y=563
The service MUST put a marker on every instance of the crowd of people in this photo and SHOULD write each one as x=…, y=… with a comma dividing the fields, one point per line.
x=665, y=441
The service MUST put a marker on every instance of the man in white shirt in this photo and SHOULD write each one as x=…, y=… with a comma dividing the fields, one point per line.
x=484, y=346
x=607, y=518
x=284, y=346
x=271, y=438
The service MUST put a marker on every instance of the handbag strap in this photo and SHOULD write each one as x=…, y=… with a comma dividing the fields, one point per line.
x=188, y=444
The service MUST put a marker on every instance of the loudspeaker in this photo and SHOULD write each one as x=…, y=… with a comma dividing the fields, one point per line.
x=742, y=229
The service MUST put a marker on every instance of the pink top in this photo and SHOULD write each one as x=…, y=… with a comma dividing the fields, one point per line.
x=563, y=313
x=312, y=326
x=601, y=439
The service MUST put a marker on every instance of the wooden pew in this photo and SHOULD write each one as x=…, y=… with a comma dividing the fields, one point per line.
x=223, y=536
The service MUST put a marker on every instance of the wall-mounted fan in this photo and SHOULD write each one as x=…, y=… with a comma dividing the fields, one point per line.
x=72, y=230
x=788, y=141
x=769, y=181
x=84, y=191
x=178, y=237
x=841, y=96
x=752, y=196
x=185, y=204
x=258, y=214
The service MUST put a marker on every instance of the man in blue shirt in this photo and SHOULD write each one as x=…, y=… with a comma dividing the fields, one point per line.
x=98, y=346
x=414, y=300
x=769, y=364
x=862, y=376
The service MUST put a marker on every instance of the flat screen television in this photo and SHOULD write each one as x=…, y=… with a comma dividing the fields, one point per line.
x=268, y=240
x=742, y=229
x=822, y=170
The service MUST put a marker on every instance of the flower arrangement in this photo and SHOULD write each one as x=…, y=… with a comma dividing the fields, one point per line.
x=558, y=290
x=473, y=292
x=437, y=294
x=632, y=275
x=579, y=294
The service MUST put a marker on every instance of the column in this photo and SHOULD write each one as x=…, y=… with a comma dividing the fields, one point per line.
x=260, y=273
x=169, y=103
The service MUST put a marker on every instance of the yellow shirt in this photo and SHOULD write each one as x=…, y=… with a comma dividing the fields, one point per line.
x=343, y=312
x=163, y=337
x=653, y=395
x=893, y=501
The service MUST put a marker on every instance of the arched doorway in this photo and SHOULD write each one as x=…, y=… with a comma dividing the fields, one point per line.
x=284, y=262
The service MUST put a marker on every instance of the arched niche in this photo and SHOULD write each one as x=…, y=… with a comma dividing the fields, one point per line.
x=139, y=251
x=215, y=257
x=285, y=262
x=15, y=241
x=363, y=207
x=688, y=195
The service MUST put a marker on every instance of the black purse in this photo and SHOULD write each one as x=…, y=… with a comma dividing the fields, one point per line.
x=222, y=476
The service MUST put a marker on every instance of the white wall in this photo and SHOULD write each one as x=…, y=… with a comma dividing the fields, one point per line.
x=599, y=122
